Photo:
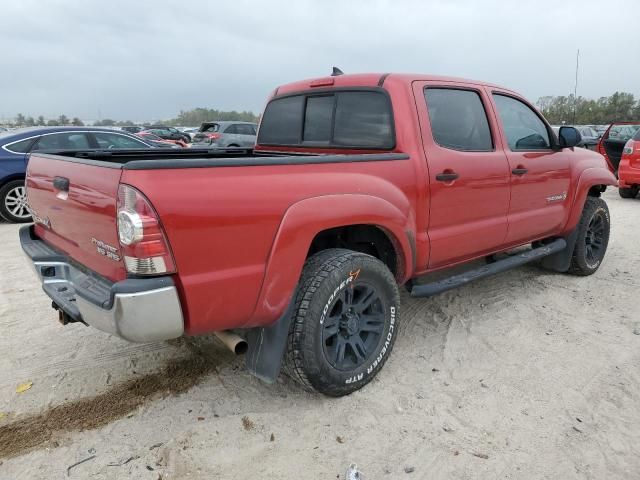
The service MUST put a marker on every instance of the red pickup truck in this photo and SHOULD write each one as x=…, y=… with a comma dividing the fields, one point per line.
x=357, y=184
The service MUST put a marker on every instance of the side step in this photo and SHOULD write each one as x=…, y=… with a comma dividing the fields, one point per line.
x=429, y=289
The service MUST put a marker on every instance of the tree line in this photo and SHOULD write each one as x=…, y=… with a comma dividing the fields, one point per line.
x=619, y=107
x=193, y=118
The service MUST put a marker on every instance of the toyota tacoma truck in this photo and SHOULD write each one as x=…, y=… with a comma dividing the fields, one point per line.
x=296, y=249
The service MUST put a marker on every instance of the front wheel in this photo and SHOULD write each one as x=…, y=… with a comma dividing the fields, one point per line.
x=344, y=324
x=13, y=202
x=631, y=192
x=593, y=237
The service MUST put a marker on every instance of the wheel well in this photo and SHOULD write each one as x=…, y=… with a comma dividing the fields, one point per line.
x=596, y=190
x=368, y=239
x=11, y=178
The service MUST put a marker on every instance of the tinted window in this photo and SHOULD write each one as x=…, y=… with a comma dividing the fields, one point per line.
x=317, y=119
x=458, y=119
x=282, y=121
x=523, y=128
x=231, y=129
x=363, y=119
x=21, y=146
x=63, y=141
x=244, y=129
x=113, y=140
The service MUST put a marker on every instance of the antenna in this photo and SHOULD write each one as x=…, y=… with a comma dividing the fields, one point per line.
x=336, y=72
x=575, y=88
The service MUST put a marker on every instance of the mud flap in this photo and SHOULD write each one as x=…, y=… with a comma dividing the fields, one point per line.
x=561, y=261
x=267, y=347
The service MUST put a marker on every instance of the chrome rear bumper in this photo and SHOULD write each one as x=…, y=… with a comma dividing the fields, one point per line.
x=138, y=310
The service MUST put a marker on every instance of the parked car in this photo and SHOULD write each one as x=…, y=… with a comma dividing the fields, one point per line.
x=301, y=244
x=590, y=137
x=3, y=129
x=168, y=133
x=226, y=134
x=15, y=146
x=613, y=141
x=157, y=141
x=192, y=132
x=132, y=129
x=629, y=168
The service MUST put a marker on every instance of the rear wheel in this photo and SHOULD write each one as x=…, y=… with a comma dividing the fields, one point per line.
x=593, y=237
x=631, y=192
x=13, y=202
x=345, y=322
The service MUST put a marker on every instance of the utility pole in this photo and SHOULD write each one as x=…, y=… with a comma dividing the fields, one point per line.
x=575, y=88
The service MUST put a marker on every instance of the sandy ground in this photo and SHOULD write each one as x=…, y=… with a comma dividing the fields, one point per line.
x=528, y=374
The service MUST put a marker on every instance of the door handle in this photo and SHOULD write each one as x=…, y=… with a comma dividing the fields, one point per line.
x=519, y=170
x=61, y=183
x=447, y=176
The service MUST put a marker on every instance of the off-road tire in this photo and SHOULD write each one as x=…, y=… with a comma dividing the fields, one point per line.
x=324, y=282
x=5, y=190
x=631, y=192
x=586, y=259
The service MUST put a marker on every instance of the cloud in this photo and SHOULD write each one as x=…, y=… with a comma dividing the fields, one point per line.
x=147, y=60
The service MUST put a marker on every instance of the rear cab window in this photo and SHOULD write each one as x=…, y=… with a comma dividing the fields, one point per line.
x=349, y=119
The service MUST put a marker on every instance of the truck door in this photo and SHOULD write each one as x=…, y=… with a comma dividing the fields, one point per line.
x=540, y=175
x=468, y=172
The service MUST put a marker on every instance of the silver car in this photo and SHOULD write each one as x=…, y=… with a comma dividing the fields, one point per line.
x=226, y=134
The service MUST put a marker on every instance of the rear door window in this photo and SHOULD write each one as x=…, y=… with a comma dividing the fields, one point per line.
x=458, y=119
x=244, y=129
x=63, y=141
x=116, y=141
x=341, y=119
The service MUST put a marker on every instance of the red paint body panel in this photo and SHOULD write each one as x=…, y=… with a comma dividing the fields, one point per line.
x=629, y=169
x=88, y=212
x=240, y=235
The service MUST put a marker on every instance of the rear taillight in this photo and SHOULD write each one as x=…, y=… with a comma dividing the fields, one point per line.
x=143, y=242
x=628, y=148
x=213, y=136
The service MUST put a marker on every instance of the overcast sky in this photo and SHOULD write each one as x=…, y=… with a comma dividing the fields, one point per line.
x=146, y=60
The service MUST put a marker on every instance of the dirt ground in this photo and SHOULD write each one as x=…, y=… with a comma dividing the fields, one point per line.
x=526, y=375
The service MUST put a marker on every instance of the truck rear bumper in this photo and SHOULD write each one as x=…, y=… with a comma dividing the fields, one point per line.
x=138, y=310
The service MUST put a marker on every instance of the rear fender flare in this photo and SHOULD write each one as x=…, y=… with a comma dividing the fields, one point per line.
x=303, y=221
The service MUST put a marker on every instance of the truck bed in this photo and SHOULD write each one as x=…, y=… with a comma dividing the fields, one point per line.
x=152, y=159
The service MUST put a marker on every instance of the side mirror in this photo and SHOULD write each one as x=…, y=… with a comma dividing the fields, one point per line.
x=569, y=137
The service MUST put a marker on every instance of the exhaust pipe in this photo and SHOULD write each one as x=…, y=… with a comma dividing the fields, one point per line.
x=233, y=342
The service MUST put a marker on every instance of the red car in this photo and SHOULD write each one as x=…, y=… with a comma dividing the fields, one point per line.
x=613, y=141
x=150, y=137
x=358, y=184
x=629, y=169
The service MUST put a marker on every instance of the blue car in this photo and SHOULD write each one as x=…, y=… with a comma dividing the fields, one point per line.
x=15, y=146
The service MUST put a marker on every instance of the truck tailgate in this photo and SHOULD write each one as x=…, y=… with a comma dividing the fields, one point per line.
x=74, y=209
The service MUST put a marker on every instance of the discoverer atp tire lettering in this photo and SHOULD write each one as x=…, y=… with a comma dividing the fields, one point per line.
x=345, y=322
